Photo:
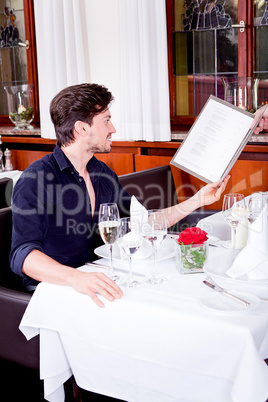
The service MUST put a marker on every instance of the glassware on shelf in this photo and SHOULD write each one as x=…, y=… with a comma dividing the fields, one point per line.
x=242, y=92
x=20, y=105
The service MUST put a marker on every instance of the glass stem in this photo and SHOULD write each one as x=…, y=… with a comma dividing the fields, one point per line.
x=130, y=278
x=234, y=237
x=111, y=260
x=154, y=254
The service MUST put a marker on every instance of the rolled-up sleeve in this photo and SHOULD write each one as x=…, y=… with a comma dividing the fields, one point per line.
x=29, y=223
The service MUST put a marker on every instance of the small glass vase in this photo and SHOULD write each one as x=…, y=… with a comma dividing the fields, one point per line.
x=192, y=257
x=20, y=105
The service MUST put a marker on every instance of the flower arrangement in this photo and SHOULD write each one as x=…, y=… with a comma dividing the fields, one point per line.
x=193, y=246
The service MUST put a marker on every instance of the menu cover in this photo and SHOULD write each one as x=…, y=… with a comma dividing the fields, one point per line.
x=215, y=140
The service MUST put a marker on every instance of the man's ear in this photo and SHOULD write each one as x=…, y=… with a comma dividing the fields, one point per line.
x=80, y=127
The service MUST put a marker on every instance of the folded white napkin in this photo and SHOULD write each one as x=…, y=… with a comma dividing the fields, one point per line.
x=139, y=212
x=253, y=259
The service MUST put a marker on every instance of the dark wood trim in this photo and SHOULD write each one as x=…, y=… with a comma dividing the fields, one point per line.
x=31, y=54
x=182, y=122
x=242, y=40
x=250, y=38
x=170, y=23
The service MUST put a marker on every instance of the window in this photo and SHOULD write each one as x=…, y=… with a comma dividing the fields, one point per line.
x=216, y=47
x=18, y=63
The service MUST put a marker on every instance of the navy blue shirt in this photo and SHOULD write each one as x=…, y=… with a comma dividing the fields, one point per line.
x=52, y=211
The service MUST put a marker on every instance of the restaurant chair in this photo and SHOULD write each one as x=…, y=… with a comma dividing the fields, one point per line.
x=19, y=358
x=6, y=188
x=13, y=302
x=155, y=189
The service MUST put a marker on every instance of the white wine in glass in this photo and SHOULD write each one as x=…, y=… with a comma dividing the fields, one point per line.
x=109, y=225
x=234, y=211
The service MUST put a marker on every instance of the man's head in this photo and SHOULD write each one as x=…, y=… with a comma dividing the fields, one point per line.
x=77, y=102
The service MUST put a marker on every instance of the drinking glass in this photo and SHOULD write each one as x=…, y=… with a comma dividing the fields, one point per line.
x=130, y=239
x=255, y=206
x=234, y=211
x=155, y=231
x=109, y=225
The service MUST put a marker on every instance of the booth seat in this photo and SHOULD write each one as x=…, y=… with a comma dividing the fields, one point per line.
x=19, y=359
x=155, y=189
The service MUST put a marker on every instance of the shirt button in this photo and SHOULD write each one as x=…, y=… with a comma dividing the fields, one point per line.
x=80, y=179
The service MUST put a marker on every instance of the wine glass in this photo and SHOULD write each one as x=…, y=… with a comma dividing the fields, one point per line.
x=130, y=239
x=109, y=225
x=255, y=206
x=234, y=211
x=155, y=231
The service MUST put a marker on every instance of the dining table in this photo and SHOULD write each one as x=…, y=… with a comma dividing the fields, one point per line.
x=12, y=174
x=177, y=341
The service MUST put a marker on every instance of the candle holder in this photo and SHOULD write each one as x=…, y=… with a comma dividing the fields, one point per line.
x=20, y=105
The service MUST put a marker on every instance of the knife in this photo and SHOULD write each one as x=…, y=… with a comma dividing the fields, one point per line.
x=96, y=264
x=223, y=291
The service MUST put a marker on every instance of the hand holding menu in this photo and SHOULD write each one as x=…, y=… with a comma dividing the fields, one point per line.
x=215, y=140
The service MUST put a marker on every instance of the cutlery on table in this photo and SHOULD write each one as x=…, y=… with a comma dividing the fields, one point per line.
x=213, y=285
x=96, y=264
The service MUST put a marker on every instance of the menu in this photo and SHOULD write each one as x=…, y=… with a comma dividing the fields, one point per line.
x=215, y=140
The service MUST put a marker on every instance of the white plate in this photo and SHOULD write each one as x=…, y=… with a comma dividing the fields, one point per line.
x=166, y=250
x=217, y=270
x=217, y=301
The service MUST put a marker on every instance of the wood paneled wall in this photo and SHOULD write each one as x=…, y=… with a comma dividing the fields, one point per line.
x=249, y=174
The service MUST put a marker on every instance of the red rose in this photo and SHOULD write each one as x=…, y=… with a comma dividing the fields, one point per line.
x=192, y=236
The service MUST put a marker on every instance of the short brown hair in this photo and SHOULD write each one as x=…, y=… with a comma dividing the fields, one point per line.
x=77, y=102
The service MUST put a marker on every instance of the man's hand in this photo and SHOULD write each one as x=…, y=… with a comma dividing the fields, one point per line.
x=95, y=283
x=263, y=124
x=43, y=268
x=211, y=192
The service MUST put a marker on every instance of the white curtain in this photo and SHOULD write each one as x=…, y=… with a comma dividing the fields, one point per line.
x=62, y=51
x=145, y=90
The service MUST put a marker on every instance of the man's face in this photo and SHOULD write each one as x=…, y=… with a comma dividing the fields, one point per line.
x=100, y=133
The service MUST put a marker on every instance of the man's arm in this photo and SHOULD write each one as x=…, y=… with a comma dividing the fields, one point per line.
x=42, y=268
x=206, y=196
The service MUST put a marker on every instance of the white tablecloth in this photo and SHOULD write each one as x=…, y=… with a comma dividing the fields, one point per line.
x=13, y=174
x=156, y=344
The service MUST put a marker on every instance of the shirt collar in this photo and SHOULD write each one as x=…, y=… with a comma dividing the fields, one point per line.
x=61, y=158
x=65, y=163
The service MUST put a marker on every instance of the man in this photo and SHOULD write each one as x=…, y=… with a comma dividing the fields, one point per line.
x=56, y=200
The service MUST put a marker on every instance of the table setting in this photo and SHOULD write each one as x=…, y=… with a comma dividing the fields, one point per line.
x=246, y=266
x=174, y=335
